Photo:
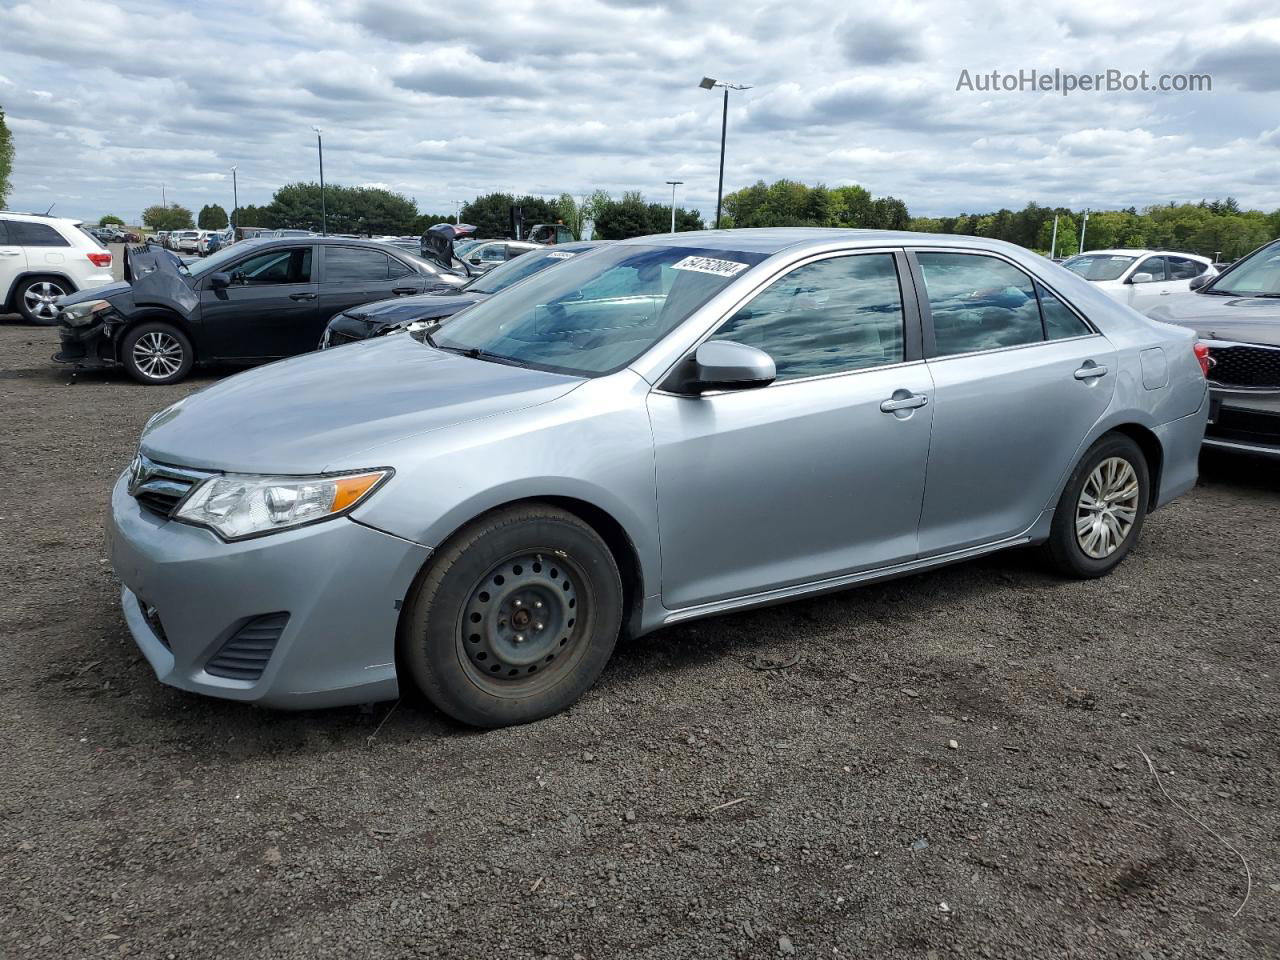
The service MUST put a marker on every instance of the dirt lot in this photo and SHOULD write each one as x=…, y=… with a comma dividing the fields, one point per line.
x=950, y=769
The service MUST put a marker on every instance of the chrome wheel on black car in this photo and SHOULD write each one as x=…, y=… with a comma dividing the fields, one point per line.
x=513, y=619
x=156, y=353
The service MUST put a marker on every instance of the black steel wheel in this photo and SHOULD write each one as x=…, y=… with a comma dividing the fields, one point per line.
x=514, y=618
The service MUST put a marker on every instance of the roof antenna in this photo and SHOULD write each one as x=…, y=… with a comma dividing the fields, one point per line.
x=51, y=206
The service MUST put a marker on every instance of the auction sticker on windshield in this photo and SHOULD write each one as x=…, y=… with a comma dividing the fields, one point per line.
x=720, y=268
x=560, y=255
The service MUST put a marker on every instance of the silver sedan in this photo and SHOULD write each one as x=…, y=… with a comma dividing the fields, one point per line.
x=663, y=429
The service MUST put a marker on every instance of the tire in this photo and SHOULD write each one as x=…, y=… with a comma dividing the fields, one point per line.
x=1088, y=540
x=156, y=353
x=513, y=619
x=35, y=299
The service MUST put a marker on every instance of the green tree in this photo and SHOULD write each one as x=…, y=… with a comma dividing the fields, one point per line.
x=6, y=159
x=172, y=217
x=358, y=210
x=212, y=217
x=110, y=219
x=628, y=217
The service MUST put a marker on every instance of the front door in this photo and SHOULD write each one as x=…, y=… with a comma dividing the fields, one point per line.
x=1019, y=379
x=1146, y=295
x=268, y=310
x=13, y=262
x=817, y=475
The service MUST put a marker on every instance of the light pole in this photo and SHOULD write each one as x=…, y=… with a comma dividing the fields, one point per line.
x=1083, y=227
x=674, y=184
x=709, y=83
x=1053, y=244
x=457, y=211
x=324, y=217
x=235, y=202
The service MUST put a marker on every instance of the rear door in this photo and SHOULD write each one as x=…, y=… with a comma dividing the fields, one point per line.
x=1019, y=380
x=351, y=276
x=268, y=311
x=13, y=261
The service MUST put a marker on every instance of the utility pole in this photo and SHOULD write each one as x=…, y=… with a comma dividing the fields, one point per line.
x=324, y=217
x=674, y=184
x=235, y=202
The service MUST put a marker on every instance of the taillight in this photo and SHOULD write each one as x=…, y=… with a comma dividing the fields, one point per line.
x=100, y=259
x=1203, y=358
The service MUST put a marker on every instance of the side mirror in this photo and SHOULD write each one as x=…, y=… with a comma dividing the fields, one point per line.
x=724, y=365
x=1200, y=281
x=219, y=281
x=1141, y=278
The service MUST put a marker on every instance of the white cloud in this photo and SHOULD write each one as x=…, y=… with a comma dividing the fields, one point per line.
x=108, y=100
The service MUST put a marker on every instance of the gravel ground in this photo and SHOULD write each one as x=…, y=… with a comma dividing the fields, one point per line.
x=950, y=768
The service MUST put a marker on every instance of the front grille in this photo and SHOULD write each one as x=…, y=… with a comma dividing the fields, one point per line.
x=1245, y=365
x=160, y=487
x=245, y=655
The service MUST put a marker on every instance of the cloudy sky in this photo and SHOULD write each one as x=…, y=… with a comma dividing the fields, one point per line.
x=107, y=101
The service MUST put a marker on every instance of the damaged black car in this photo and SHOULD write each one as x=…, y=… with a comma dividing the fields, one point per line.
x=255, y=301
x=392, y=316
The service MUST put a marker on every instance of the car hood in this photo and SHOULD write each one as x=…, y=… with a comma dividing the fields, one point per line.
x=323, y=411
x=1242, y=319
x=424, y=307
x=151, y=277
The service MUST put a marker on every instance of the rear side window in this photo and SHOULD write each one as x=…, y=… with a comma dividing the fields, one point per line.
x=354, y=265
x=1059, y=321
x=25, y=234
x=4, y=233
x=979, y=303
x=832, y=316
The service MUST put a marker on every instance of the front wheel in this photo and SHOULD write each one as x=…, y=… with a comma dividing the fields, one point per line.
x=1101, y=511
x=515, y=618
x=156, y=354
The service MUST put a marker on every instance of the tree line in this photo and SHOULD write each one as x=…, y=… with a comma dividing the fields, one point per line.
x=1210, y=227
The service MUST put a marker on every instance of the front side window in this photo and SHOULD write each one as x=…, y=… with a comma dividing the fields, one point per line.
x=979, y=303
x=832, y=316
x=594, y=315
x=354, y=265
x=1153, y=266
x=275, y=266
x=1256, y=275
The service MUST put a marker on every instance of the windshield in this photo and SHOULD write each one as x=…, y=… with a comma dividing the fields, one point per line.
x=595, y=314
x=513, y=271
x=1257, y=275
x=217, y=261
x=1105, y=266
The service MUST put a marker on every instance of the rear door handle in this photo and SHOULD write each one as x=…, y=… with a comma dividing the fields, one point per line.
x=302, y=296
x=904, y=403
x=403, y=291
x=1090, y=371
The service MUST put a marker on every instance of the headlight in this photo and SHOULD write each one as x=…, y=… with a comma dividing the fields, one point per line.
x=82, y=314
x=236, y=506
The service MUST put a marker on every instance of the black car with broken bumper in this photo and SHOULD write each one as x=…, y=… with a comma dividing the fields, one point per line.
x=1237, y=315
x=255, y=301
x=392, y=316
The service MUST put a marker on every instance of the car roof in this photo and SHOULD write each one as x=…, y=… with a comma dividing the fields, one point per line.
x=1132, y=252
x=40, y=217
x=770, y=240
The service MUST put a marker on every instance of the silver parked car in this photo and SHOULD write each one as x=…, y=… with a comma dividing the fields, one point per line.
x=669, y=428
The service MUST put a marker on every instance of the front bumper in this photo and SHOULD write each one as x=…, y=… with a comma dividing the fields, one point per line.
x=187, y=594
x=1244, y=420
x=89, y=346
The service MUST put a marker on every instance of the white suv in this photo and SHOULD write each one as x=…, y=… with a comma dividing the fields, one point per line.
x=44, y=258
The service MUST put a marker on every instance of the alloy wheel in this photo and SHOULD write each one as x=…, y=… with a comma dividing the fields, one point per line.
x=157, y=355
x=1107, y=508
x=41, y=299
x=523, y=624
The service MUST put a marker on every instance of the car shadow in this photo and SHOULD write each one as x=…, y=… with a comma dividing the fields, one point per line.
x=1244, y=471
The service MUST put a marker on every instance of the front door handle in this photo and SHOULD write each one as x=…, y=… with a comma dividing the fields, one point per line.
x=1090, y=371
x=404, y=291
x=302, y=296
x=10, y=253
x=910, y=402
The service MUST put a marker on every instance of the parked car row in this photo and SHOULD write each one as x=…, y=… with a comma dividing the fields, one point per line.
x=607, y=439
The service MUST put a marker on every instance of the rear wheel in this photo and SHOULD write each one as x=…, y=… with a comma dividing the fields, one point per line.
x=515, y=618
x=1101, y=511
x=37, y=299
x=156, y=353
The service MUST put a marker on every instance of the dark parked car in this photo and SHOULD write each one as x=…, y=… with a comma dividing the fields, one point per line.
x=1237, y=315
x=389, y=316
x=255, y=301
